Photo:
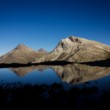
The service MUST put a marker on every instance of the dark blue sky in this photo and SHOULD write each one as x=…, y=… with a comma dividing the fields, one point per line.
x=43, y=23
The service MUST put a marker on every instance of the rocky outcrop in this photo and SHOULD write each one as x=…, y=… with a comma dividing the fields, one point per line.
x=21, y=54
x=74, y=49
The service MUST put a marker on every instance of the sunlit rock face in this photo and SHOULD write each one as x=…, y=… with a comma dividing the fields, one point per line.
x=21, y=54
x=75, y=49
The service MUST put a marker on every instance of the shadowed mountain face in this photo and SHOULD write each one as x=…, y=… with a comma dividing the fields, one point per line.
x=21, y=54
x=74, y=49
x=71, y=73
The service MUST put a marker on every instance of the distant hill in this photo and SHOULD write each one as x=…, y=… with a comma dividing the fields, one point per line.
x=21, y=54
x=41, y=50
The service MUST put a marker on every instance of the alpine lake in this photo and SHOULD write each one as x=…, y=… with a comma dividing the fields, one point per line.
x=77, y=81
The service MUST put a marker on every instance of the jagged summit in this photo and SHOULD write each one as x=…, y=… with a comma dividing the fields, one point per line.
x=71, y=41
x=74, y=39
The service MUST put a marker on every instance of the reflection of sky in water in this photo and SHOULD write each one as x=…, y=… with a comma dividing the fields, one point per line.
x=35, y=77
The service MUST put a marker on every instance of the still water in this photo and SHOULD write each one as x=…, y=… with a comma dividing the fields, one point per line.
x=74, y=74
x=47, y=76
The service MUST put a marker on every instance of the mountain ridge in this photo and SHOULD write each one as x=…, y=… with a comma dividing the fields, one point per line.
x=71, y=49
x=21, y=54
x=75, y=49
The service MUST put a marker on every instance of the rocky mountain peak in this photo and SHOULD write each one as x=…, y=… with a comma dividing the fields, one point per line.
x=20, y=54
x=21, y=46
x=75, y=39
x=76, y=49
x=70, y=41
x=41, y=50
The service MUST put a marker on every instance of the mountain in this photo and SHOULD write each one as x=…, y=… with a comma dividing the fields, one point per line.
x=21, y=54
x=75, y=49
x=41, y=50
x=71, y=49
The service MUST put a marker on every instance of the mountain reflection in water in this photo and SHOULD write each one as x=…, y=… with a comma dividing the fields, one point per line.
x=71, y=73
x=78, y=73
x=93, y=94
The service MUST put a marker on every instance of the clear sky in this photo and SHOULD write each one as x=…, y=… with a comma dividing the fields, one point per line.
x=43, y=23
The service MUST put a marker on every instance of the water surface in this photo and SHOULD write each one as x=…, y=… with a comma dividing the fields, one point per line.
x=72, y=74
